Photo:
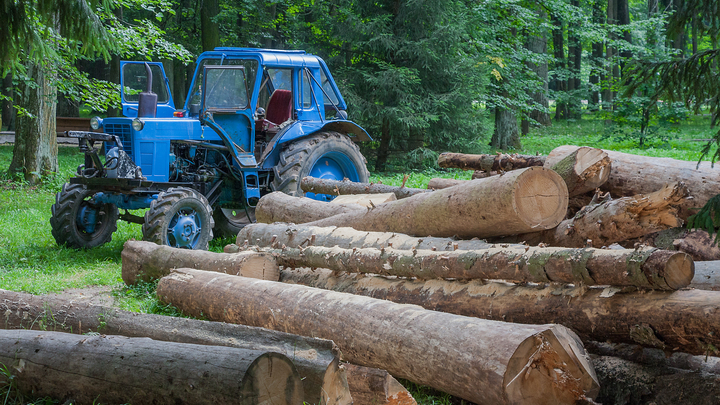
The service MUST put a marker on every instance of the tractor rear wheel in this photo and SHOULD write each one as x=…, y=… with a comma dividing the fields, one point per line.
x=326, y=155
x=229, y=221
x=78, y=223
x=180, y=217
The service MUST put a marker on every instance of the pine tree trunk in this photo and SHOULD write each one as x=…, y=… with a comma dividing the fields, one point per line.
x=117, y=369
x=210, y=29
x=317, y=360
x=506, y=133
x=479, y=361
x=35, y=153
x=686, y=320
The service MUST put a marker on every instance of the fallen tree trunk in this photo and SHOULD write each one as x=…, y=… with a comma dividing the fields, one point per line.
x=438, y=183
x=487, y=163
x=480, y=361
x=519, y=201
x=280, y=207
x=117, y=369
x=656, y=357
x=278, y=235
x=649, y=268
x=334, y=187
x=707, y=276
x=317, y=360
x=365, y=200
x=604, y=222
x=686, y=320
x=146, y=261
x=583, y=168
x=632, y=174
x=479, y=174
x=372, y=386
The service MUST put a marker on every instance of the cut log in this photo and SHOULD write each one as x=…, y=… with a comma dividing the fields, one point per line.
x=685, y=320
x=280, y=207
x=707, y=276
x=488, y=163
x=583, y=168
x=278, y=235
x=118, y=369
x=372, y=386
x=632, y=174
x=604, y=221
x=479, y=174
x=145, y=261
x=438, y=183
x=698, y=244
x=519, y=201
x=334, y=187
x=477, y=360
x=649, y=356
x=647, y=268
x=317, y=360
x=365, y=200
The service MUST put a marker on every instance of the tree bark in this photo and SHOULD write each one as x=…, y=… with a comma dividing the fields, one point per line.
x=280, y=207
x=561, y=108
x=522, y=200
x=686, y=320
x=611, y=66
x=470, y=358
x=647, y=268
x=35, y=151
x=317, y=360
x=537, y=43
x=277, y=235
x=117, y=369
x=604, y=222
x=372, y=386
x=707, y=276
x=506, y=133
x=334, y=187
x=210, y=29
x=632, y=174
x=438, y=183
x=500, y=161
x=8, y=112
x=147, y=261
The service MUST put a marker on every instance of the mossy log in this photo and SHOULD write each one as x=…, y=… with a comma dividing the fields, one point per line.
x=487, y=163
x=517, y=202
x=481, y=361
x=647, y=268
x=686, y=320
x=605, y=221
x=117, y=369
x=146, y=261
x=292, y=235
x=317, y=360
x=335, y=187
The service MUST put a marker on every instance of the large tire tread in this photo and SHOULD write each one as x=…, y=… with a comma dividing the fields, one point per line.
x=63, y=220
x=155, y=227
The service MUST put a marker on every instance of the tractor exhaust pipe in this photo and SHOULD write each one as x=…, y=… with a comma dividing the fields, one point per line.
x=147, y=103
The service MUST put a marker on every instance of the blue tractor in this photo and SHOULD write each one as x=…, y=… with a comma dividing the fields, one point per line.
x=255, y=121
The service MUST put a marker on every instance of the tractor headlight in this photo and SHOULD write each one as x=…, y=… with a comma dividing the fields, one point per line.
x=95, y=123
x=137, y=124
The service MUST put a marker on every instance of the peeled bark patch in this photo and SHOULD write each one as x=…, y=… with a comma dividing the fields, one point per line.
x=519, y=201
x=480, y=361
x=116, y=369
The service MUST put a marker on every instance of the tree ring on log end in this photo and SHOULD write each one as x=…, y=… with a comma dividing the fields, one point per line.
x=540, y=198
x=679, y=270
x=272, y=379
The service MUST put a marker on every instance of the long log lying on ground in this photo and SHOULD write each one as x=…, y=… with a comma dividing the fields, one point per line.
x=602, y=223
x=280, y=207
x=118, y=369
x=520, y=201
x=488, y=163
x=583, y=168
x=707, y=276
x=648, y=268
x=372, y=386
x=686, y=320
x=632, y=174
x=334, y=187
x=317, y=360
x=291, y=235
x=145, y=261
x=480, y=361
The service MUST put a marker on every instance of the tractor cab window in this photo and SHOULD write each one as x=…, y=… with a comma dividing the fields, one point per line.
x=276, y=95
x=135, y=81
x=328, y=90
x=225, y=88
x=250, y=65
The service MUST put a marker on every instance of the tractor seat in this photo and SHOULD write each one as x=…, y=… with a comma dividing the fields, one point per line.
x=279, y=106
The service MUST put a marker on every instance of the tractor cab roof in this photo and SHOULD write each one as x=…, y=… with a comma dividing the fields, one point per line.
x=273, y=57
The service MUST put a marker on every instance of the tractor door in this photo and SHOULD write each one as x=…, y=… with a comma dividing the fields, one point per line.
x=134, y=79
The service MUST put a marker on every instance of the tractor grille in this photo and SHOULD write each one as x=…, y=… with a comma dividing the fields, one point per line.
x=124, y=132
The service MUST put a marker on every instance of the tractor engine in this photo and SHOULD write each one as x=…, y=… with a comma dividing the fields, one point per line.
x=194, y=163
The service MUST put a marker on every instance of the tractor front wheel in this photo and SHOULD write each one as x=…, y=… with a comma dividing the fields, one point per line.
x=326, y=155
x=77, y=222
x=181, y=218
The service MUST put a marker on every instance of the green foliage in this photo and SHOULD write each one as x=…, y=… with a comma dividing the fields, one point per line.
x=644, y=121
x=141, y=298
x=708, y=218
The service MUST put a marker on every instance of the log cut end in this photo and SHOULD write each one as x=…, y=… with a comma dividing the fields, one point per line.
x=593, y=165
x=335, y=389
x=679, y=270
x=272, y=379
x=540, y=198
x=550, y=367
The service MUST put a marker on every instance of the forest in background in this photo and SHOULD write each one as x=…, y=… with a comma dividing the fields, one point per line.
x=467, y=76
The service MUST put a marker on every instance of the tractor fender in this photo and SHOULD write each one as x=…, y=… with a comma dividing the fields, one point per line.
x=302, y=129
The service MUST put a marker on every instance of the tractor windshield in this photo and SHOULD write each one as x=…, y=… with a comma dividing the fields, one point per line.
x=225, y=88
x=250, y=65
